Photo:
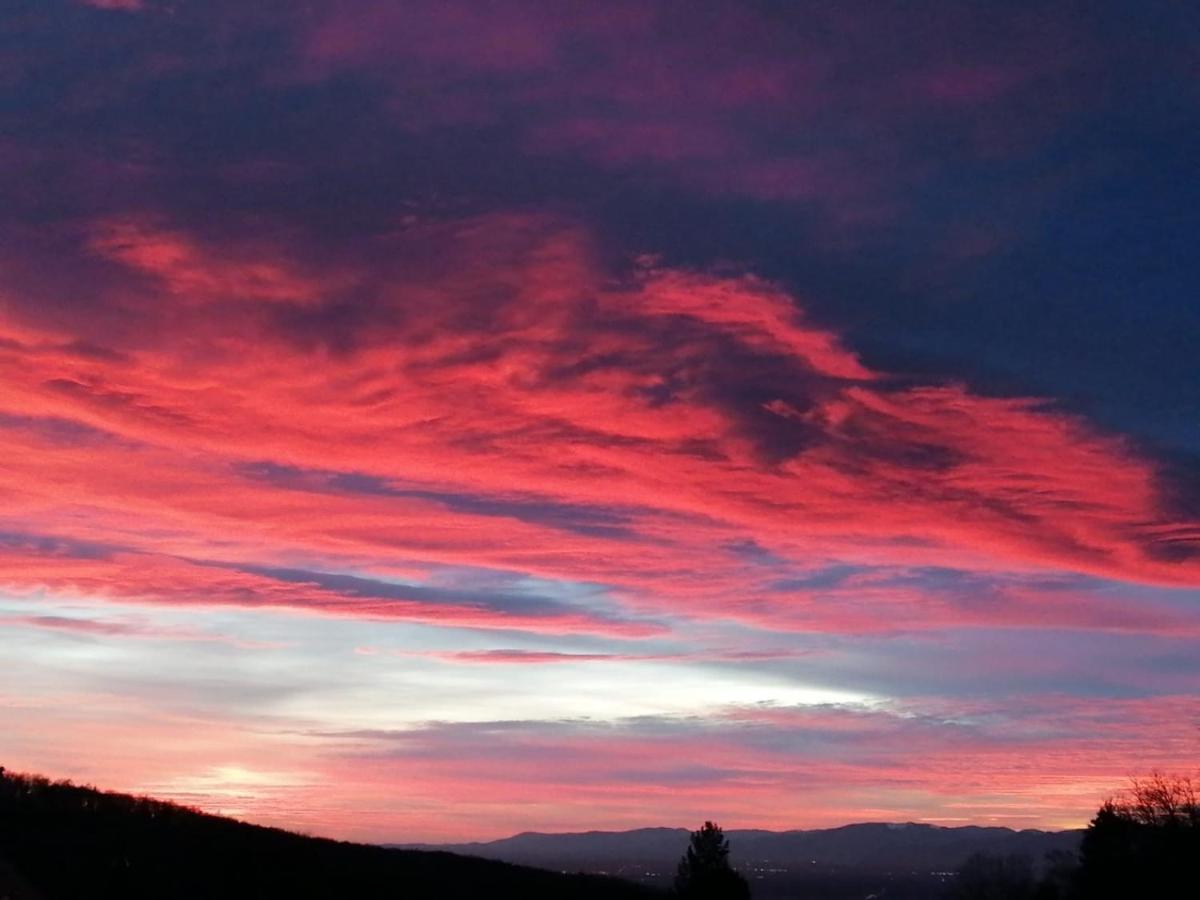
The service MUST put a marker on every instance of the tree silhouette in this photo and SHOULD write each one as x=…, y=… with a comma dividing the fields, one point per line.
x=705, y=873
x=1143, y=844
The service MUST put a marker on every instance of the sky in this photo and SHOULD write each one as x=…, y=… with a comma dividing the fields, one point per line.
x=431, y=420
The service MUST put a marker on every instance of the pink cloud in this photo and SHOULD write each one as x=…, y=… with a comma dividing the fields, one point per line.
x=502, y=366
x=846, y=765
x=529, y=657
x=195, y=273
x=102, y=628
x=158, y=579
x=498, y=422
x=544, y=657
x=781, y=768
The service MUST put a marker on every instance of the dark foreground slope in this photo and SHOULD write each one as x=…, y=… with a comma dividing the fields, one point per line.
x=60, y=842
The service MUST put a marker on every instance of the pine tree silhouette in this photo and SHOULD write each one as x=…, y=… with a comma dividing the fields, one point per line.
x=705, y=873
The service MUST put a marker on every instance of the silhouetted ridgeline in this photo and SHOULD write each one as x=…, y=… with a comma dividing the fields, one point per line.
x=864, y=846
x=62, y=842
x=900, y=862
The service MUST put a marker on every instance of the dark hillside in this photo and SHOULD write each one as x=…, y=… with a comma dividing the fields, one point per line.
x=62, y=842
x=13, y=886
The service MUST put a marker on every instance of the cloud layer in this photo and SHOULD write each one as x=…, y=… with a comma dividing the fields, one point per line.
x=534, y=354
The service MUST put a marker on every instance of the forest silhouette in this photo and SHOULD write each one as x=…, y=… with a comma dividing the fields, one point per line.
x=65, y=842
x=1144, y=843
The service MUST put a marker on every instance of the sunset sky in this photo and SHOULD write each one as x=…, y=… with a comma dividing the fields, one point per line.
x=437, y=419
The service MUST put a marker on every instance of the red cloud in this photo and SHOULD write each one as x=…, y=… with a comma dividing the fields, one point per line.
x=498, y=396
x=194, y=273
x=495, y=422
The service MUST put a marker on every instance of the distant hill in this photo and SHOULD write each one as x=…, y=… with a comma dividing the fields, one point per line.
x=869, y=845
x=61, y=842
x=904, y=858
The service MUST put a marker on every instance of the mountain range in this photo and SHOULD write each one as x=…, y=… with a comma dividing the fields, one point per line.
x=916, y=854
